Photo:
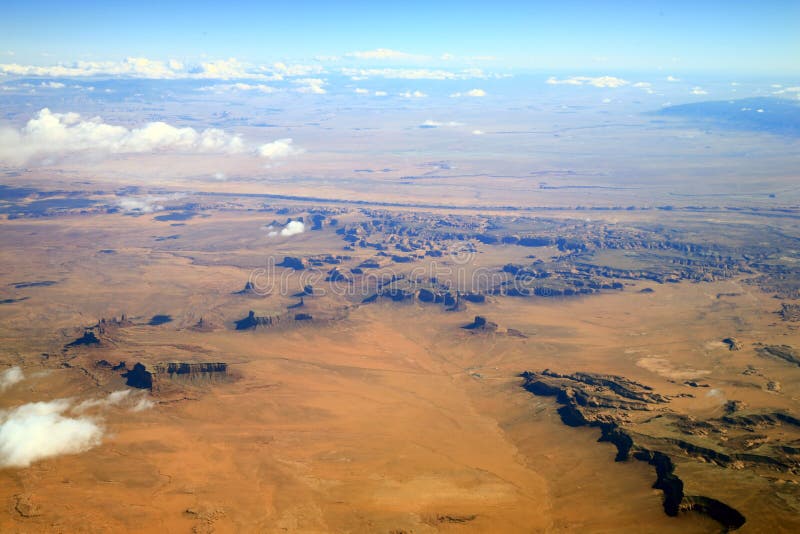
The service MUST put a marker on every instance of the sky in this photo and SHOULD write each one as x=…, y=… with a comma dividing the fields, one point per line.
x=713, y=36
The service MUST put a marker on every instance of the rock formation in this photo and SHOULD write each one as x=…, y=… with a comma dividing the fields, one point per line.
x=733, y=343
x=291, y=262
x=480, y=324
x=252, y=321
x=634, y=418
x=88, y=338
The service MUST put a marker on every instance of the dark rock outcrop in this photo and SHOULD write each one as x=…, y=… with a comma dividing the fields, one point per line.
x=291, y=262
x=733, y=343
x=88, y=338
x=158, y=320
x=252, y=321
x=480, y=324
x=139, y=377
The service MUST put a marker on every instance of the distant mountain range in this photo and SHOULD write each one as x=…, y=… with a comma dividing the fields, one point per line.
x=779, y=116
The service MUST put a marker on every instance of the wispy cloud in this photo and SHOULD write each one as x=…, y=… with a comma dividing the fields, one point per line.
x=599, y=81
x=385, y=53
x=228, y=87
x=141, y=67
x=413, y=94
x=10, y=376
x=699, y=91
x=438, y=124
x=415, y=74
x=673, y=79
x=470, y=93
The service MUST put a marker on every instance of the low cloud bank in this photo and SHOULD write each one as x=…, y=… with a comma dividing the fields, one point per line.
x=40, y=430
x=50, y=134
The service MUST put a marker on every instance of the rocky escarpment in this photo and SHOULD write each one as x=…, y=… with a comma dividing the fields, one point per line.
x=195, y=373
x=783, y=352
x=252, y=321
x=152, y=376
x=607, y=402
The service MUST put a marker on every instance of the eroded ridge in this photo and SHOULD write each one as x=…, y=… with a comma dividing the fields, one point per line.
x=639, y=422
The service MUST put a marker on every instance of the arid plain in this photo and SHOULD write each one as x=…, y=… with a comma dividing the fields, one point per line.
x=363, y=394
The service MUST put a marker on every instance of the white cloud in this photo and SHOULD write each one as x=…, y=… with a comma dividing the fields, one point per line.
x=141, y=67
x=311, y=86
x=49, y=134
x=146, y=204
x=359, y=91
x=291, y=228
x=140, y=204
x=472, y=93
x=477, y=132
x=279, y=149
x=282, y=69
x=415, y=74
x=40, y=430
x=699, y=91
x=415, y=94
x=437, y=124
x=225, y=87
x=10, y=376
x=114, y=398
x=380, y=93
x=600, y=81
x=673, y=79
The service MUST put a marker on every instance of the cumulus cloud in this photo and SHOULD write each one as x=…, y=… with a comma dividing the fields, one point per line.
x=477, y=132
x=699, y=91
x=291, y=228
x=279, y=149
x=673, y=79
x=10, y=376
x=311, y=85
x=49, y=134
x=472, y=93
x=599, y=81
x=39, y=430
x=360, y=91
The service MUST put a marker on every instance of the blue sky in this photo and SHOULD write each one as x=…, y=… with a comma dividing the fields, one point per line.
x=732, y=36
